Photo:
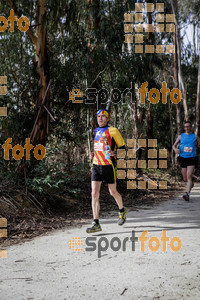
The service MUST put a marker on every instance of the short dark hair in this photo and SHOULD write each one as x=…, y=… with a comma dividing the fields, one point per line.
x=188, y=122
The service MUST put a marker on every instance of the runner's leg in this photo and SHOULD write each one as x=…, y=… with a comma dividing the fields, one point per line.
x=190, y=170
x=113, y=191
x=118, y=198
x=96, y=185
x=184, y=173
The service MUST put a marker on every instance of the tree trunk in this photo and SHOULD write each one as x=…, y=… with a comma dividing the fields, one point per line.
x=151, y=36
x=180, y=77
x=197, y=125
x=88, y=133
x=93, y=24
x=42, y=67
x=151, y=39
x=40, y=132
x=134, y=111
x=149, y=123
x=140, y=117
x=116, y=115
x=194, y=41
x=171, y=130
x=176, y=83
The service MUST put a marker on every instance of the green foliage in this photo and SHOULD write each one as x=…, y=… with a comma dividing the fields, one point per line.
x=49, y=176
x=84, y=42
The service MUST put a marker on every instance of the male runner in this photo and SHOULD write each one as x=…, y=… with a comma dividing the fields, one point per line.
x=188, y=158
x=103, y=169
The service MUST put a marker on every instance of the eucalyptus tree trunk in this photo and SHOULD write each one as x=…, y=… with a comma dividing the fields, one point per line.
x=176, y=81
x=93, y=7
x=198, y=102
x=39, y=41
x=151, y=39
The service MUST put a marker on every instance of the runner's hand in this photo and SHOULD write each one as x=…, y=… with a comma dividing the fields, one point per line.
x=177, y=151
x=112, y=153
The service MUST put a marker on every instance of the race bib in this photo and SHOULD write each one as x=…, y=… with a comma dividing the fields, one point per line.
x=187, y=149
x=98, y=146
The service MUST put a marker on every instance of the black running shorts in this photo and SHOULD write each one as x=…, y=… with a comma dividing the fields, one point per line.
x=189, y=161
x=104, y=173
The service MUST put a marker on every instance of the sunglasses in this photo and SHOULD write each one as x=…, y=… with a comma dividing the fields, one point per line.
x=187, y=126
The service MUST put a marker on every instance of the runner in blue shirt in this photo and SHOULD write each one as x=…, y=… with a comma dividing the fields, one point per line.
x=188, y=159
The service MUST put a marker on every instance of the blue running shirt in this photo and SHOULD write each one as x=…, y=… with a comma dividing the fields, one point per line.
x=187, y=145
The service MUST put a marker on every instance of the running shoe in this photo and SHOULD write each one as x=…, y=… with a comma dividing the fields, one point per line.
x=94, y=228
x=186, y=197
x=122, y=216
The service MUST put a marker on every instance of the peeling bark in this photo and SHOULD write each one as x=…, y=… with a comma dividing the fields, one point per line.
x=198, y=102
x=39, y=40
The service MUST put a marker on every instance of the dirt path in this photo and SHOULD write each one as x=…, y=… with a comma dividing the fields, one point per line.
x=46, y=268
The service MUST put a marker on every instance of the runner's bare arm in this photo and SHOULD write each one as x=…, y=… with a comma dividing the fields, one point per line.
x=176, y=150
x=91, y=155
x=198, y=140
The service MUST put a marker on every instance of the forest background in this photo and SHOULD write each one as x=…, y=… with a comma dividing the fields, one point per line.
x=79, y=44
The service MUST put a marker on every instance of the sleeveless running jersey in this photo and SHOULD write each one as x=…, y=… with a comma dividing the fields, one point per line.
x=106, y=135
x=187, y=145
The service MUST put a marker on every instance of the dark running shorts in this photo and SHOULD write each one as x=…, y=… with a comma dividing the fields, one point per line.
x=104, y=173
x=189, y=161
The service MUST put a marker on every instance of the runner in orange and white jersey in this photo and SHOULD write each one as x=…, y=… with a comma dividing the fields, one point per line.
x=107, y=140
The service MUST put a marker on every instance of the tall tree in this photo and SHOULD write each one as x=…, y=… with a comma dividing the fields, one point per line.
x=39, y=41
x=151, y=39
x=198, y=102
x=176, y=81
x=93, y=7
